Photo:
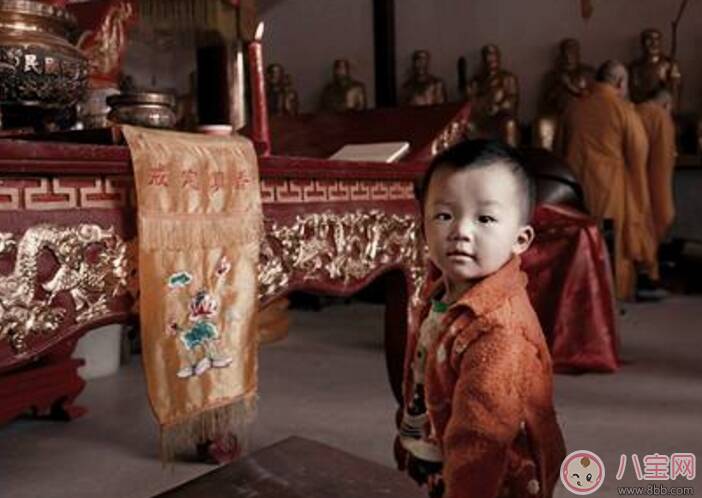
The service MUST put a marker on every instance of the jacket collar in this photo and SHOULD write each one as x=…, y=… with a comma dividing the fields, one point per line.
x=490, y=292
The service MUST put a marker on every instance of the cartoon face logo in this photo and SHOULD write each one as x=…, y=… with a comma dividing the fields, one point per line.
x=582, y=472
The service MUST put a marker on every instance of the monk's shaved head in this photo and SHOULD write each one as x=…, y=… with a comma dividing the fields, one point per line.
x=614, y=73
x=611, y=71
x=662, y=95
x=663, y=98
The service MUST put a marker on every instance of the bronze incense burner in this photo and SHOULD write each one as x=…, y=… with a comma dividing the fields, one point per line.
x=39, y=66
x=150, y=109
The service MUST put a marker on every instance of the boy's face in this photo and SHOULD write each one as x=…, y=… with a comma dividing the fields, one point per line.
x=473, y=223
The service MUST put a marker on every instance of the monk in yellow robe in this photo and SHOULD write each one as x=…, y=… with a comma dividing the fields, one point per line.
x=605, y=144
x=656, y=117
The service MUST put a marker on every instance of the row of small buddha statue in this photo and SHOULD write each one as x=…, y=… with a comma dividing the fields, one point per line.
x=494, y=91
x=343, y=93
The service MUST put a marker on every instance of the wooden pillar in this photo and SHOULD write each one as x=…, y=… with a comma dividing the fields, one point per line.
x=384, y=51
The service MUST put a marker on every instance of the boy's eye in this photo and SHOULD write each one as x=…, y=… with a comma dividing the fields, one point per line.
x=486, y=219
x=442, y=216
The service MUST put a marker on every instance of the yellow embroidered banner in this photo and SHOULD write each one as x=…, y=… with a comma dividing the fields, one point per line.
x=200, y=226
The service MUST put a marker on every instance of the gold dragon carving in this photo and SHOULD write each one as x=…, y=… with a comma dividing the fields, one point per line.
x=105, y=46
x=335, y=248
x=90, y=281
x=456, y=131
x=340, y=248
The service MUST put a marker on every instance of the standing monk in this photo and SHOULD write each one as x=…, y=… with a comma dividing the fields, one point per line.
x=604, y=142
x=656, y=117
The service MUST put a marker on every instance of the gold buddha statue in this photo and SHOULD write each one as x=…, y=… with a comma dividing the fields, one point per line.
x=343, y=93
x=422, y=88
x=569, y=80
x=280, y=95
x=494, y=93
x=653, y=70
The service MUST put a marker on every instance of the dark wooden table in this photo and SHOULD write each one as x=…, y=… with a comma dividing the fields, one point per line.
x=297, y=468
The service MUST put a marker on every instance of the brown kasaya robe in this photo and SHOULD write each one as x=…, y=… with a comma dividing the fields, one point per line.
x=661, y=163
x=605, y=144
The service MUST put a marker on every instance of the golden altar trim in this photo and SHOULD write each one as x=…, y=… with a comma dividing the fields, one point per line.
x=345, y=248
x=117, y=191
x=339, y=247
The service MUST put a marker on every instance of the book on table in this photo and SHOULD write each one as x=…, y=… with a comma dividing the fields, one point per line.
x=385, y=152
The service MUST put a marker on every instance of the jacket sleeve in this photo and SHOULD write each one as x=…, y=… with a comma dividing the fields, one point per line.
x=485, y=417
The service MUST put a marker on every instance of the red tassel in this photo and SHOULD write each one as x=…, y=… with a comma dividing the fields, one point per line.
x=586, y=8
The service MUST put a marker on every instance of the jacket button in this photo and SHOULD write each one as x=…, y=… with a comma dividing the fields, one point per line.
x=533, y=487
x=441, y=354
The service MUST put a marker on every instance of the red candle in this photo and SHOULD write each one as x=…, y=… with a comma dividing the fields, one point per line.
x=259, y=108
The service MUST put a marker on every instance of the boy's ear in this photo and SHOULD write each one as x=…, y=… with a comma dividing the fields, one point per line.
x=524, y=239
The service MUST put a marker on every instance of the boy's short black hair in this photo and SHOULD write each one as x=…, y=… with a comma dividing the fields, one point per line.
x=480, y=153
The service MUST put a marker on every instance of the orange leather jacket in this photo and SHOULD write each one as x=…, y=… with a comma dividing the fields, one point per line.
x=489, y=392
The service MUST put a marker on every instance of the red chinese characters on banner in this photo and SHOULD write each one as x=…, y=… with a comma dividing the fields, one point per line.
x=158, y=176
x=241, y=181
x=217, y=181
x=189, y=179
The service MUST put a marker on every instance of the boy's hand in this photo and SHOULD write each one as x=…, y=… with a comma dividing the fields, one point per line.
x=436, y=485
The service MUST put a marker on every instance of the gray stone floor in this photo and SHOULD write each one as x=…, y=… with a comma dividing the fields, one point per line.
x=327, y=382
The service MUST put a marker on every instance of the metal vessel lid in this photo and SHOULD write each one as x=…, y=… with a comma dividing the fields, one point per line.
x=141, y=98
x=40, y=9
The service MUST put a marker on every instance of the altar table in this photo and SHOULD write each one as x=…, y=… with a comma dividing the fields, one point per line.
x=68, y=252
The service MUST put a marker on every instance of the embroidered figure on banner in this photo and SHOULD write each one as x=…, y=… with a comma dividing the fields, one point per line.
x=200, y=336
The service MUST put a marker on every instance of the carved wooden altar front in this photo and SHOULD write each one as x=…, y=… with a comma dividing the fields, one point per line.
x=68, y=252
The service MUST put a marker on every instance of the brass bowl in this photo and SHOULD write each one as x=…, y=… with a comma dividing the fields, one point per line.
x=39, y=67
x=150, y=109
